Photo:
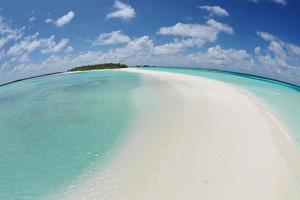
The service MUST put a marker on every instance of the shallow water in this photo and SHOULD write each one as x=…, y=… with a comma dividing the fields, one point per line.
x=282, y=98
x=55, y=128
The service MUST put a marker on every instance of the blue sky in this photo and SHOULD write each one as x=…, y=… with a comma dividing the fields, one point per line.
x=252, y=36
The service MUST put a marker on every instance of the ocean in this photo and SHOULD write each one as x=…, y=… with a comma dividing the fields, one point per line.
x=55, y=128
x=58, y=129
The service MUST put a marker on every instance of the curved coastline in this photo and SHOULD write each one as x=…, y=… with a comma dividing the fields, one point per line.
x=189, y=144
x=281, y=98
x=251, y=76
x=32, y=77
x=196, y=137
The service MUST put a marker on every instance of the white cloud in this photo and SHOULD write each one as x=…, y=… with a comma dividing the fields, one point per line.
x=32, y=19
x=69, y=49
x=278, y=59
x=282, y=2
x=8, y=34
x=275, y=61
x=178, y=45
x=293, y=49
x=24, y=58
x=279, y=55
x=138, y=50
x=135, y=48
x=2, y=54
x=217, y=57
x=266, y=36
x=220, y=26
x=65, y=19
x=279, y=52
x=115, y=37
x=142, y=50
x=122, y=10
x=187, y=30
x=207, y=32
x=27, y=45
x=257, y=50
x=33, y=43
x=276, y=48
x=169, y=48
x=53, y=47
x=215, y=11
x=193, y=34
x=49, y=21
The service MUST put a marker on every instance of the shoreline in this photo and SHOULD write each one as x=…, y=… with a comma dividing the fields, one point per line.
x=31, y=77
x=248, y=75
x=187, y=144
x=252, y=76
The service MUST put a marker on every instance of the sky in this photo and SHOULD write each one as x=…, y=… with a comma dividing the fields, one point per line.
x=260, y=37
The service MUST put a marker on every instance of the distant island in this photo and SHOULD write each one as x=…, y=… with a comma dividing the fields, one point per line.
x=81, y=68
x=145, y=66
x=99, y=66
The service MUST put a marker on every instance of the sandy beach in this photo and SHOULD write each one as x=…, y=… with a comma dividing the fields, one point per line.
x=196, y=138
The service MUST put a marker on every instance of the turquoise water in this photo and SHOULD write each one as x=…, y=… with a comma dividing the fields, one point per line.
x=283, y=98
x=55, y=128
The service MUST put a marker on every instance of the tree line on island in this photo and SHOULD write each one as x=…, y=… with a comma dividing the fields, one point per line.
x=103, y=66
x=81, y=68
x=99, y=66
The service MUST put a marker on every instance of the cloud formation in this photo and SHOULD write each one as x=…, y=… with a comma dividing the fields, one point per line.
x=215, y=11
x=266, y=36
x=278, y=52
x=8, y=34
x=114, y=37
x=53, y=47
x=32, y=43
x=208, y=31
x=282, y=2
x=217, y=57
x=61, y=21
x=178, y=45
x=122, y=11
x=191, y=35
x=276, y=59
x=32, y=19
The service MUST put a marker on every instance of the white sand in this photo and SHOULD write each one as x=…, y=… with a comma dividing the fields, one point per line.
x=198, y=138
